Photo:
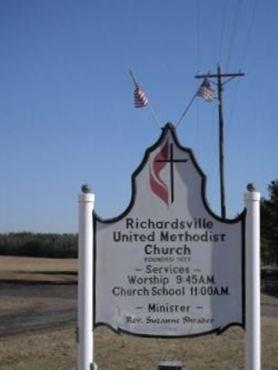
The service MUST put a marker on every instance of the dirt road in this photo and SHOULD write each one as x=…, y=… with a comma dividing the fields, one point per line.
x=58, y=306
x=36, y=306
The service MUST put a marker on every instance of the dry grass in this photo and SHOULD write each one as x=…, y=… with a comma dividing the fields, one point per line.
x=55, y=350
x=37, y=269
x=38, y=351
x=13, y=305
x=204, y=353
x=11, y=263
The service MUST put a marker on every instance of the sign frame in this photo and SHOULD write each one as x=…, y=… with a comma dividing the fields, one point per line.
x=240, y=218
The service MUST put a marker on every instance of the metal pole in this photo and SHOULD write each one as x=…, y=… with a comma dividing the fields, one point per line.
x=221, y=144
x=252, y=283
x=85, y=279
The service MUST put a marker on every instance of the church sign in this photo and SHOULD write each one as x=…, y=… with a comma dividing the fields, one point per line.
x=168, y=266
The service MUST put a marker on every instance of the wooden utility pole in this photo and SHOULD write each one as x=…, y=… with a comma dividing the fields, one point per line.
x=220, y=85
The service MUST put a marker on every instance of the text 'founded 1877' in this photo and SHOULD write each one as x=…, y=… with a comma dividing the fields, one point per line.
x=168, y=266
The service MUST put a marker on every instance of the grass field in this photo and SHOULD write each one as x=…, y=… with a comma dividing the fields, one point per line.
x=55, y=349
x=38, y=269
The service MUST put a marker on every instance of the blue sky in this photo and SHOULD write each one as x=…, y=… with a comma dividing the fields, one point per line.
x=66, y=100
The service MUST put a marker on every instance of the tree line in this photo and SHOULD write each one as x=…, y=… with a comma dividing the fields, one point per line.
x=269, y=225
x=39, y=245
x=65, y=245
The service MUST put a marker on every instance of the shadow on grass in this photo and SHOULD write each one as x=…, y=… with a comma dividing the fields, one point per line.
x=36, y=282
x=270, y=289
x=72, y=273
x=62, y=278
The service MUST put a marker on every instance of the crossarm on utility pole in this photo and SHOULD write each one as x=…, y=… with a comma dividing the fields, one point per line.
x=209, y=75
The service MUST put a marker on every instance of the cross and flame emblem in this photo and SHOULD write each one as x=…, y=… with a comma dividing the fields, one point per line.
x=162, y=158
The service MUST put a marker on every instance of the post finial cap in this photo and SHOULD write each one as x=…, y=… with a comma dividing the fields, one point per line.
x=86, y=189
x=251, y=187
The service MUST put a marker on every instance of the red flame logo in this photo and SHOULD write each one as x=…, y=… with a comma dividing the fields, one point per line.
x=157, y=185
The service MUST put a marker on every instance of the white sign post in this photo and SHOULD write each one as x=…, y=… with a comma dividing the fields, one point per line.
x=85, y=280
x=253, y=314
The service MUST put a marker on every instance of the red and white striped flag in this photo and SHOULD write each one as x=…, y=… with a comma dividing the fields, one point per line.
x=140, y=99
x=206, y=91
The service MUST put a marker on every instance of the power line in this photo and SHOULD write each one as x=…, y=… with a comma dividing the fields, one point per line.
x=249, y=32
x=243, y=59
x=198, y=32
x=198, y=35
x=222, y=31
x=233, y=34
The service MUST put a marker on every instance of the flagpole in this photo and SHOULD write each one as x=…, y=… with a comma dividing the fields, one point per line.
x=133, y=78
x=152, y=108
x=186, y=109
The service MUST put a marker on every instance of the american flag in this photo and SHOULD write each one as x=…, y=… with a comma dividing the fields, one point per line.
x=140, y=99
x=206, y=91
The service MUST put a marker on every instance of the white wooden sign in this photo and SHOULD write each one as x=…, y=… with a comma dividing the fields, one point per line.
x=168, y=266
